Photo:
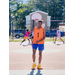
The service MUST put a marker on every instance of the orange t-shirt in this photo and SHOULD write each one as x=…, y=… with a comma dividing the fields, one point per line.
x=38, y=35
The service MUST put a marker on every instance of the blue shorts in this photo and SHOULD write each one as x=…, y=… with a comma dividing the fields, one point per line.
x=39, y=46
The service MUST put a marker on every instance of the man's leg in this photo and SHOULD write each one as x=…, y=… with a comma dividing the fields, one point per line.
x=40, y=56
x=29, y=41
x=62, y=40
x=41, y=48
x=22, y=41
x=55, y=40
x=33, y=55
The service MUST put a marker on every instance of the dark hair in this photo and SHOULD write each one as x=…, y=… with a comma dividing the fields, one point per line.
x=39, y=21
x=27, y=29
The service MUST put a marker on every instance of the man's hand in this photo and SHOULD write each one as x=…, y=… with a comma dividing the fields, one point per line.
x=37, y=42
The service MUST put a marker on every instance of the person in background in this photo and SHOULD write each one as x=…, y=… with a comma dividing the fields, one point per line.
x=26, y=36
x=58, y=36
x=28, y=32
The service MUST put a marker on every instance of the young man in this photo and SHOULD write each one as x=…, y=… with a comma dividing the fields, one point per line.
x=58, y=35
x=38, y=42
x=26, y=36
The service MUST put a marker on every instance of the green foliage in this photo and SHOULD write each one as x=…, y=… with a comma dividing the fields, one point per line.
x=20, y=10
x=54, y=8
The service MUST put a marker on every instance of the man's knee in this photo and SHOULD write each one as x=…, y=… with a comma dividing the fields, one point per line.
x=34, y=51
x=40, y=54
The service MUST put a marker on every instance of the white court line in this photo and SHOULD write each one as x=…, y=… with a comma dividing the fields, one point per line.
x=29, y=50
x=43, y=62
x=37, y=72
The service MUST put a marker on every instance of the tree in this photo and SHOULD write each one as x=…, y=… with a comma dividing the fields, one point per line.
x=20, y=10
x=53, y=7
x=24, y=10
x=12, y=4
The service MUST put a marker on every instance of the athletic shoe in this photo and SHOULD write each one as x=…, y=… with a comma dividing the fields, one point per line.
x=39, y=67
x=33, y=66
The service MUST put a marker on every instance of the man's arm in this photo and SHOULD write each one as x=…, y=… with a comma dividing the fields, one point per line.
x=44, y=35
x=32, y=41
x=32, y=36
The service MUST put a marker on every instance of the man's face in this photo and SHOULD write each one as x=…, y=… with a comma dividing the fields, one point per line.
x=39, y=24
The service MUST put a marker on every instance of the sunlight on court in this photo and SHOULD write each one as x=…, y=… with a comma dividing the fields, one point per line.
x=30, y=50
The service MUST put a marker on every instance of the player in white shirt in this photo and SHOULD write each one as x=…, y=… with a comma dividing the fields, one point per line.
x=58, y=35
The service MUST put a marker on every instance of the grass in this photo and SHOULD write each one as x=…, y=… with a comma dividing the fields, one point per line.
x=12, y=40
x=47, y=39
x=51, y=39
